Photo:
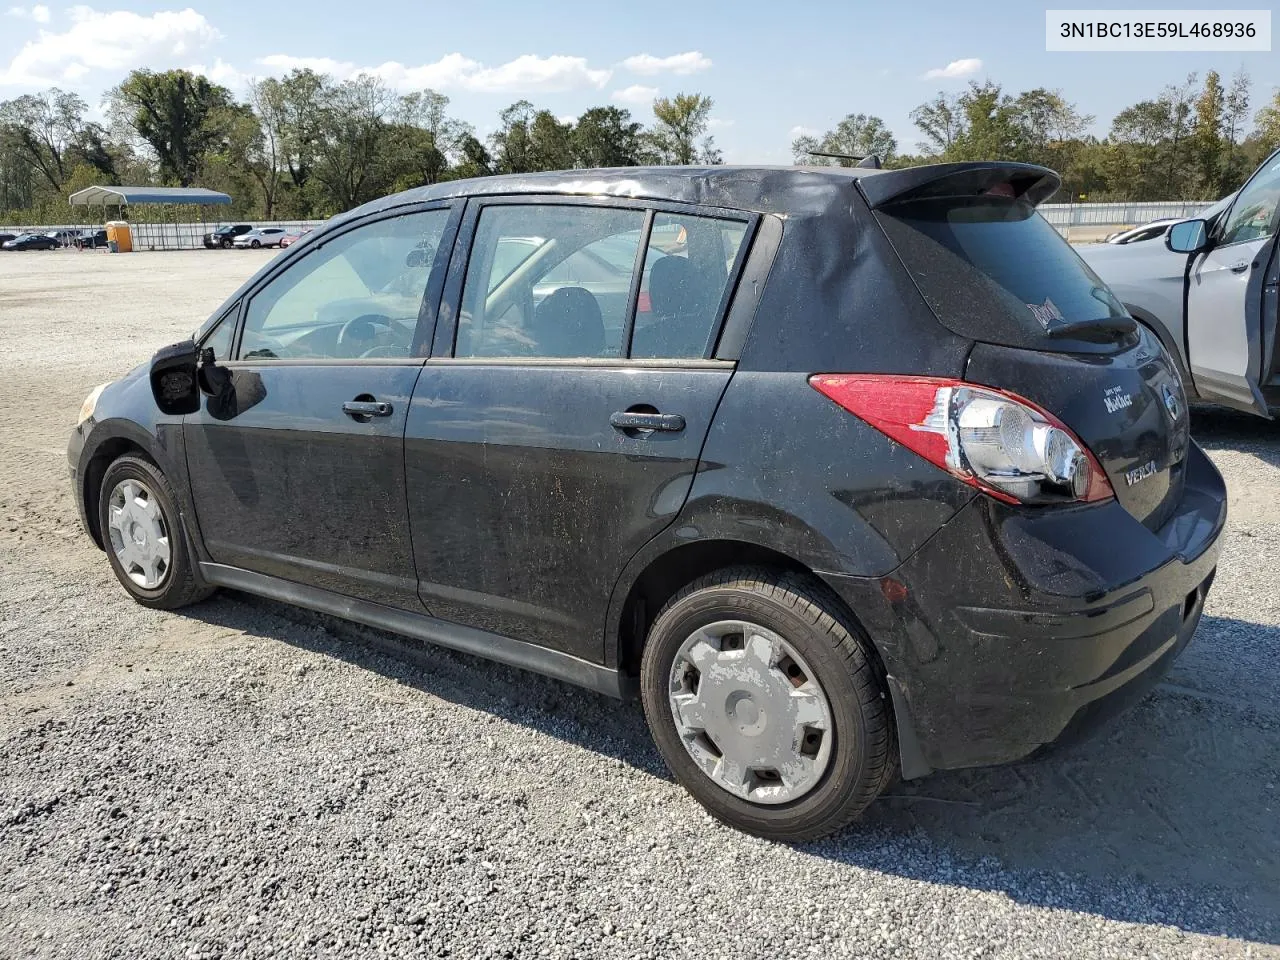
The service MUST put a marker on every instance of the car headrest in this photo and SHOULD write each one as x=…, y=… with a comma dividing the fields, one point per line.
x=568, y=324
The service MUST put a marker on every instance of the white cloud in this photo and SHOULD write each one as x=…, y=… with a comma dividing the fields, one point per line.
x=636, y=95
x=567, y=119
x=39, y=13
x=539, y=74
x=799, y=131
x=955, y=69
x=116, y=41
x=223, y=73
x=681, y=64
x=284, y=63
x=526, y=74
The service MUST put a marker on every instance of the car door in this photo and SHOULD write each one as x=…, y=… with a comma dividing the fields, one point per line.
x=556, y=429
x=297, y=463
x=1225, y=311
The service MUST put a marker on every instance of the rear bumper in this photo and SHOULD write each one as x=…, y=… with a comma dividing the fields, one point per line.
x=1013, y=628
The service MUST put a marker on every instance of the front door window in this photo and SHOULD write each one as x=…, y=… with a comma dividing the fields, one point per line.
x=356, y=296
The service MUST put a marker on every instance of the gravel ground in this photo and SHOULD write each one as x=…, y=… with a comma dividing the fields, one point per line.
x=247, y=779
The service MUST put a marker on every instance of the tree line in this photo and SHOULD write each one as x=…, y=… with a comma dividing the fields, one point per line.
x=1195, y=140
x=307, y=146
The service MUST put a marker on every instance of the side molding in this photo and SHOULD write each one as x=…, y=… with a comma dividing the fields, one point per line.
x=480, y=643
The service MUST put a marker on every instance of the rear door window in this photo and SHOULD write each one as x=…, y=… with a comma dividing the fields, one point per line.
x=685, y=285
x=539, y=282
x=994, y=270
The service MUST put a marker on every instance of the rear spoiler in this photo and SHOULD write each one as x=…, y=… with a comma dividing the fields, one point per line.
x=1025, y=181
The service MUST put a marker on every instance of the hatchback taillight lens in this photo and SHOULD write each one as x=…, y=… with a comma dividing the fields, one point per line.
x=1000, y=443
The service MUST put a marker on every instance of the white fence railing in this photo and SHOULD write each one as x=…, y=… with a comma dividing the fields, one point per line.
x=189, y=236
x=1108, y=214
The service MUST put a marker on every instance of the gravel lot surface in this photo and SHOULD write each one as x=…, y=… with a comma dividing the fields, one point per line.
x=247, y=779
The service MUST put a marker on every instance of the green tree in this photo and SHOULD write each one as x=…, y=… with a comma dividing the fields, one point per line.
x=857, y=135
x=606, y=137
x=679, y=135
x=43, y=129
x=550, y=142
x=512, y=149
x=349, y=150
x=1206, y=143
x=1235, y=119
x=993, y=129
x=1268, y=125
x=177, y=114
x=942, y=121
x=473, y=159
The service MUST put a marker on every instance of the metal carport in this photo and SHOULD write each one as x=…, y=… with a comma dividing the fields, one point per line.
x=121, y=197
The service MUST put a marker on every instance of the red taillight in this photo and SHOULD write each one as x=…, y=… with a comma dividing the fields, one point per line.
x=998, y=442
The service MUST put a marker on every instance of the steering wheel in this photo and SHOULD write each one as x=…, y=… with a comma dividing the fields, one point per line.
x=358, y=331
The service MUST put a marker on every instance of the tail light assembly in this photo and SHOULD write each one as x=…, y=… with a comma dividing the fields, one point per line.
x=997, y=442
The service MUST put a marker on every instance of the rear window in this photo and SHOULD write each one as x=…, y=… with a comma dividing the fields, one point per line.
x=995, y=270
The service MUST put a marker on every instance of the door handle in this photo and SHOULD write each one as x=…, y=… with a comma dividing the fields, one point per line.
x=628, y=421
x=1240, y=267
x=364, y=409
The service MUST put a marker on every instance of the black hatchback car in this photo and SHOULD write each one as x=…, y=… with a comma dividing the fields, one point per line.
x=856, y=474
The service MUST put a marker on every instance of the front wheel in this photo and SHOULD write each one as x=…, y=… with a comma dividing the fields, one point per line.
x=766, y=704
x=142, y=535
x=226, y=243
x=255, y=244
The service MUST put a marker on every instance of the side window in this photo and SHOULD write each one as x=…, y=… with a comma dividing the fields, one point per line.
x=686, y=273
x=528, y=291
x=357, y=295
x=1253, y=215
x=219, y=338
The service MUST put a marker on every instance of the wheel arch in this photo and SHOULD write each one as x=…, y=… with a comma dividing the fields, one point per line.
x=1161, y=331
x=110, y=440
x=671, y=569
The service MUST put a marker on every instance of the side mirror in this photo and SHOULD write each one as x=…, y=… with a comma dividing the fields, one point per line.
x=1189, y=236
x=173, y=379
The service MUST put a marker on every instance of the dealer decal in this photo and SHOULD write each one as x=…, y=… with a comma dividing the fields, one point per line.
x=1046, y=313
x=1116, y=399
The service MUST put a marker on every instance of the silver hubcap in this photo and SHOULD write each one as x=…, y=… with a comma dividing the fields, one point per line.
x=139, y=535
x=750, y=712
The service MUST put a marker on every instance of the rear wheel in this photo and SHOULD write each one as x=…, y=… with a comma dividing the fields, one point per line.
x=143, y=537
x=766, y=704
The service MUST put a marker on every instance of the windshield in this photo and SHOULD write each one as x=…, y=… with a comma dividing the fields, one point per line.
x=995, y=270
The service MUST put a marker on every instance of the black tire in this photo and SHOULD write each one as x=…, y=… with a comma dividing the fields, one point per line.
x=226, y=243
x=255, y=244
x=864, y=758
x=179, y=586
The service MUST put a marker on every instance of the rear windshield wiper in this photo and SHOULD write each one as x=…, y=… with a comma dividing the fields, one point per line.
x=1096, y=331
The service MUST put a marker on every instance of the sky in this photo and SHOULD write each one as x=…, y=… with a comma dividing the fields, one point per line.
x=774, y=69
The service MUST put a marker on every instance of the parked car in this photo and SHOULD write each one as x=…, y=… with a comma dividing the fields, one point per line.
x=885, y=482
x=31, y=241
x=1151, y=230
x=6, y=237
x=1207, y=300
x=293, y=236
x=260, y=237
x=91, y=239
x=224, y=236
x=65, y=236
